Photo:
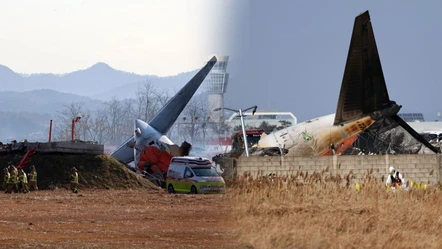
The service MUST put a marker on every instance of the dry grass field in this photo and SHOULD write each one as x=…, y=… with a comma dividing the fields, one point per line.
x=118, y=209
x=313, y=211
x=320, y=211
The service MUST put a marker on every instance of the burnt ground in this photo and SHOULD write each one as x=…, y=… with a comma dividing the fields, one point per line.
x=116, y=208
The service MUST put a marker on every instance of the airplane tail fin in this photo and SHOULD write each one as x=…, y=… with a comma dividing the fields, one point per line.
x=165, y=118
x=363, y=88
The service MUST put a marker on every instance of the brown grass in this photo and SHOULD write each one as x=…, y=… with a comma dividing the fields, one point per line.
x=322, y=210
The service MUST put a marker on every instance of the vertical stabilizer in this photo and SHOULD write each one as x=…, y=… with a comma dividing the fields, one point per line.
x=363, y=88
x=165, y=118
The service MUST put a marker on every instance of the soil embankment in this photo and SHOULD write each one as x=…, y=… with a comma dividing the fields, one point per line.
x=95, y=171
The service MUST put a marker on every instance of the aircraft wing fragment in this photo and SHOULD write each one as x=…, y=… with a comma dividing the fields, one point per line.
x=413, y=133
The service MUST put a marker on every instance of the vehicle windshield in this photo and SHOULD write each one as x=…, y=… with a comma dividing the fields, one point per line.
x=252, y=140
x=205, y=171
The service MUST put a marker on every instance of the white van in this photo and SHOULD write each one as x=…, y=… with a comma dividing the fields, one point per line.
x=193, y=175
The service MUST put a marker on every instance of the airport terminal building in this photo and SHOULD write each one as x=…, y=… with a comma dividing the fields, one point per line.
x=270, y=117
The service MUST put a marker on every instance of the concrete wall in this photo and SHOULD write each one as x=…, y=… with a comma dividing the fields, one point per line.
x=418, y=168
x=68, y=147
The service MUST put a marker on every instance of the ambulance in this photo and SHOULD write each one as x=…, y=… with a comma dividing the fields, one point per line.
x=193, y=175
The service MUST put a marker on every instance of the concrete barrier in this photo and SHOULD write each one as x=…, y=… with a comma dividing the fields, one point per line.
x=424, y=168
x=68, y=147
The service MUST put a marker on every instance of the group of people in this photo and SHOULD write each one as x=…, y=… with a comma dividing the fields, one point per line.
x=16, y=180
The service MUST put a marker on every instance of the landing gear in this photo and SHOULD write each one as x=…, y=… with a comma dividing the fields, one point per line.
x=153, y=173
x=159, y=179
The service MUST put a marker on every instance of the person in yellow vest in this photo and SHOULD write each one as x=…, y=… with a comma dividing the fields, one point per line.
x=32, y=177
x=22, y=181
x=6, y=177
x=12, y=184
x=15, y=170
x=74, y=180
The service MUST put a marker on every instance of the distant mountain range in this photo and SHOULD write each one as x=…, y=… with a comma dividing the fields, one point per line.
x=27, y=102
x=42, y=101
x=99, y=81
x=24, y=125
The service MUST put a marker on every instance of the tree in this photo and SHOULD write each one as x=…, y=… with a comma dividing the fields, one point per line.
x=222, y=128
x=192, y=113
x=267, y=127
x=146, y=102
x=283, y=124
x=161, y=97
x=82, y=128
x=205, y=110
x=117, y=113
x=195, y=117
x=239, y=128
x=63, y=124
x=96, y=126
x=128, y=120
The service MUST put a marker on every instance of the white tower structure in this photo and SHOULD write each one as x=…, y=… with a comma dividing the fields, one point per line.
x=215, y=85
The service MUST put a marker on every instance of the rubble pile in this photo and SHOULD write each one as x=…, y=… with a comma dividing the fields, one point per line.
x=394, y=141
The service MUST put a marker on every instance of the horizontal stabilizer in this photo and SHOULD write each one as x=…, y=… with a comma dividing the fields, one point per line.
x=363, y=88
x=125, y=153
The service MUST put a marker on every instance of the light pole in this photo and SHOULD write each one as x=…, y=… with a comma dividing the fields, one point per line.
x=241, y=115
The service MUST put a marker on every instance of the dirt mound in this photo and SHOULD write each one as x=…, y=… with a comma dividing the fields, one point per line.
x=95, y=171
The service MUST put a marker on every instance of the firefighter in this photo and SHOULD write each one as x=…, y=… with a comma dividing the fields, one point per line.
x=12, y=184
x=6, y=177
x=32, y=178
x=395, y=179
x=74, y=180
x=14, y=169
x=22, y=181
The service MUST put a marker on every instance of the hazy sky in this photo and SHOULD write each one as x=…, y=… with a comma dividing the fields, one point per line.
x=161, y=37
x=297, y=52
x=286, y=55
